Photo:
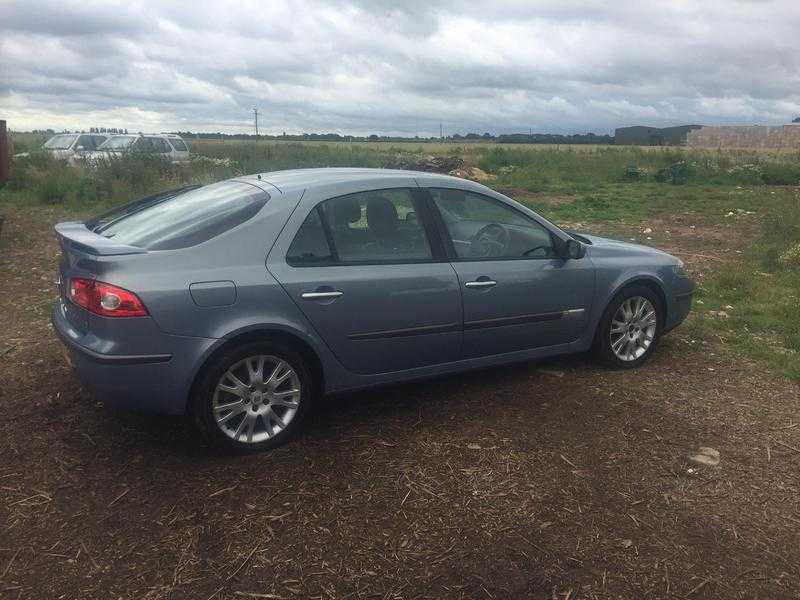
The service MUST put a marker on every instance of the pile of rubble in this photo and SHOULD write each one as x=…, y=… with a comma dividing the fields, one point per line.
x=452, y=165
x=431, y=164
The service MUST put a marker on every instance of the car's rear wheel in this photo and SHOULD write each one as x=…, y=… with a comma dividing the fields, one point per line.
x=254, y=397
x=630, y=328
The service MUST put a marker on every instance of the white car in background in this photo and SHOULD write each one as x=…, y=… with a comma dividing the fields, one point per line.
x=166, y=145
x=72, y=146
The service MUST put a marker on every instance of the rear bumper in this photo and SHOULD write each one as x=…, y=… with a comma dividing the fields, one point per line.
x=156, y=383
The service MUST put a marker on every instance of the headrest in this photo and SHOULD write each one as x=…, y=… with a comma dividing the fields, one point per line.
x=345, y=210
x=381, y=215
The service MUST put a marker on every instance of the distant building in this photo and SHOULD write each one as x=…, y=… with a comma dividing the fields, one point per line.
x=746, y=136
x=653, y=136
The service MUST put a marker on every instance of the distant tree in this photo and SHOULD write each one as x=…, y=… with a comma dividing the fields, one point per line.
x=796, y=120
x=126, y=131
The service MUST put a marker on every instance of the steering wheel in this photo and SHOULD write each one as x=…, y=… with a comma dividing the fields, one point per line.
x=544, y=247
x=491, y=241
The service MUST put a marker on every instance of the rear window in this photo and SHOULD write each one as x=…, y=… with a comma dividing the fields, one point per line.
x=183, y=219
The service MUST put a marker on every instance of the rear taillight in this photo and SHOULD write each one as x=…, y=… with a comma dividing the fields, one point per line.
x=105, y=299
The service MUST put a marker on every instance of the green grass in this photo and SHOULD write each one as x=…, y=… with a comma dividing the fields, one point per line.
x=760, y=293
x=592, y=182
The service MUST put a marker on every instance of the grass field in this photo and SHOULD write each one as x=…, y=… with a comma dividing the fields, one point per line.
x=560, y=479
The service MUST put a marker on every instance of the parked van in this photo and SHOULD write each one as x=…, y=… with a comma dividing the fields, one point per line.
x=73, y=146
x=166, y=145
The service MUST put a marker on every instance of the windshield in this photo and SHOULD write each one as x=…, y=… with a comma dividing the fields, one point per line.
x=118, y=142
x=60, y=142
x=183, y=219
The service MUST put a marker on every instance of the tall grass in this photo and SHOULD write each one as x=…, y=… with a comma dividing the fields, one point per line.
x=558, y=168
x=563, y=168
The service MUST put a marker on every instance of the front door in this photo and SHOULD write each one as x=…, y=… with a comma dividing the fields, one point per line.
x=517, y=292
x=363, y=269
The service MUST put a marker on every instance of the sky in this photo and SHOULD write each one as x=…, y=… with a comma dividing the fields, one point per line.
x=397, y=68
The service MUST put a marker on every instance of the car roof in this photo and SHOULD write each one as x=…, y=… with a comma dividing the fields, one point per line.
x=139, y=134
x=295, y=179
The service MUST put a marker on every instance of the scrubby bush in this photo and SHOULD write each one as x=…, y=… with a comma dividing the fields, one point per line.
x=53, y=190
x=791, y=258
x=774, y=173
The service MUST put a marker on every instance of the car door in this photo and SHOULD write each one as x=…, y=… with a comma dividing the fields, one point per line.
x=517, y=292
x=366, y=271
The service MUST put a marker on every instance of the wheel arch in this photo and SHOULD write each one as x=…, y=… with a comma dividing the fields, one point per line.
x=648, y=281
x=291, y=339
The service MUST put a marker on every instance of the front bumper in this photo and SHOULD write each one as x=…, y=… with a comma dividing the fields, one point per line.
x=153, y=382
x=679, y=309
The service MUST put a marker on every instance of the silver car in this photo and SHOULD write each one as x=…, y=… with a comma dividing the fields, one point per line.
x=243, y=302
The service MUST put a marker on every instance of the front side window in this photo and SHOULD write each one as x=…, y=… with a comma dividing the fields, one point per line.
x=184, y=219
x=367, y=227
x=482, y=228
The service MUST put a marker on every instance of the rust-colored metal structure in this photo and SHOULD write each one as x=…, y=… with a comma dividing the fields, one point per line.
x=4, y=157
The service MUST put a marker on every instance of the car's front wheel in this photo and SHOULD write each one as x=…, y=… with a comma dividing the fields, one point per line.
x=254, y=397
x=630, y=327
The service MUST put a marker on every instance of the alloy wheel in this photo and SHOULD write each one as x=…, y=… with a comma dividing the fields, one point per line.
x=633, y=328
x=256, y=398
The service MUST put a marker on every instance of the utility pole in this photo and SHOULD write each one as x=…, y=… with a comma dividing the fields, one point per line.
x=255, y=114
x=4, y=158
x=441, y=132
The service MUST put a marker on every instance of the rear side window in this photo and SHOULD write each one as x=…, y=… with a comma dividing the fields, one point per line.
x=178, y=145
x=310, y=245
x=186, y=219
x=373, y=227
x=150, y=145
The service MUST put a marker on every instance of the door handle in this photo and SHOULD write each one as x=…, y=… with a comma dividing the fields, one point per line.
x=320, y=295
x=481, y=283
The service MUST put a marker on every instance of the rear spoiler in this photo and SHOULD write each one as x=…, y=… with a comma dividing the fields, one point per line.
x=75, y=235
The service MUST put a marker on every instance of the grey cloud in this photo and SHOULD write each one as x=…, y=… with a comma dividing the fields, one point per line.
x=379, y=66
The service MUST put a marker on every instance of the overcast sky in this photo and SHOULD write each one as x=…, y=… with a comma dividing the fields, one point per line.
x=386, y=67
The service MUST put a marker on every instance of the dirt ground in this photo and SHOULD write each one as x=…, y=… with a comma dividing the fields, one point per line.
x=555, y=480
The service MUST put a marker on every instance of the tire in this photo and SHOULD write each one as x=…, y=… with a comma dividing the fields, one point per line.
x=275, y=413
x=633, y=350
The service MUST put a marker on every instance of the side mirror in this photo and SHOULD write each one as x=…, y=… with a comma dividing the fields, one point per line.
x=574, y=249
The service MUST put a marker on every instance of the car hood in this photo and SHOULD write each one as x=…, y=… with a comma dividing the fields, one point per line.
x=608, y=247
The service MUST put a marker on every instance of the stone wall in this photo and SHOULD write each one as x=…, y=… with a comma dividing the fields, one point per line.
x=746, y=136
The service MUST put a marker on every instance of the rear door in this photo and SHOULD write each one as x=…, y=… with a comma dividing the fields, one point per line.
x=518, y=293
x=367, y=273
